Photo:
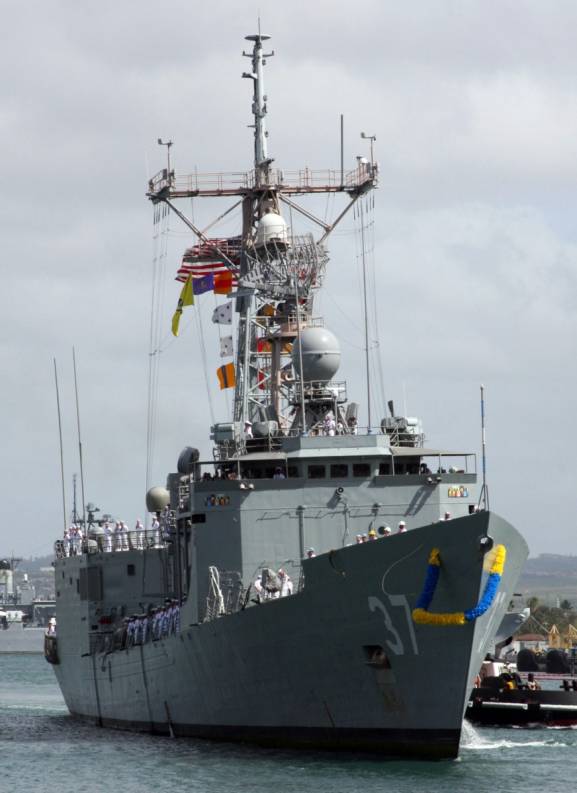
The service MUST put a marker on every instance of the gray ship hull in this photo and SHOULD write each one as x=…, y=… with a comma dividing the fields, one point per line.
x=300, y=671
x=17, y=639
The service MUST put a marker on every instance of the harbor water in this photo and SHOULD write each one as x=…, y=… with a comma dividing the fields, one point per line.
x=43, y=748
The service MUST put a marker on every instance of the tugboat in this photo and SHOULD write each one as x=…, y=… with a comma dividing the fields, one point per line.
x=503, y=699
x=257, y=612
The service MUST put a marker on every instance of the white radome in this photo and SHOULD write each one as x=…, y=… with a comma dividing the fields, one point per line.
x=321, y=354
x=271, y=228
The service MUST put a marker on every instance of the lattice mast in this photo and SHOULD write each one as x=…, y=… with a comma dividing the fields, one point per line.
x=278, y=271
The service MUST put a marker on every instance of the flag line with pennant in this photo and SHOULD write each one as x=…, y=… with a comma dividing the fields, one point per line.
x=186, y=299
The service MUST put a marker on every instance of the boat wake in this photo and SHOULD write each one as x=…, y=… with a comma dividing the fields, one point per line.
x=472, y=740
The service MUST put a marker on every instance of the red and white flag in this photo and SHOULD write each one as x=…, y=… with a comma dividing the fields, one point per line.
x=204, y=259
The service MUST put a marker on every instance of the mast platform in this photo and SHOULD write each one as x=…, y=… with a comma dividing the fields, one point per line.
x=165, y=185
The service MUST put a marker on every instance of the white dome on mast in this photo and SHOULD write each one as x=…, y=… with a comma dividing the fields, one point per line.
x=271, y=227
x=321, y=354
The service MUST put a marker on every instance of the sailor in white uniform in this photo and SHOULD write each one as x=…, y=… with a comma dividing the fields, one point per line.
x=118, y=536
x=124, y=535
x=107, y=537
x=156, y=533
x=139, y=535
x=286, y=584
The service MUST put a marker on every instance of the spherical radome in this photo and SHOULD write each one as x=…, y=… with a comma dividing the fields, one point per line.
x=157, y=498
x=321, y=354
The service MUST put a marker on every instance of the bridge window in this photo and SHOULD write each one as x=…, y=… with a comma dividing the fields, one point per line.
x=384, y=469
x=339, y=471
x=316, y=472
x=361, y=469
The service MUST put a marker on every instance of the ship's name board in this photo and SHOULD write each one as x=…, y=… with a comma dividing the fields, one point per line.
x=216, y=500
x=458, y=491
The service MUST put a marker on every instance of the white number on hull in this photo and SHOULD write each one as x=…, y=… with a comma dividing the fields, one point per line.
x=396, y=645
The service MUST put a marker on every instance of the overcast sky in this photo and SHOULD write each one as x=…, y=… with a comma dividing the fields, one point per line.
x=474, y=105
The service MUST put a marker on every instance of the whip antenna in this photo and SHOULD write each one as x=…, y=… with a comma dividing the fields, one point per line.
x=61, y=447
x=484, y=496
x=79, y=440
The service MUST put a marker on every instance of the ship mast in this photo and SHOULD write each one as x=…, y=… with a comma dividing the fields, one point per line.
x=278, y=271
x=259, y=109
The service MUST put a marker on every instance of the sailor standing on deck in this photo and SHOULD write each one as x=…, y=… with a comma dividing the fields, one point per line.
x=130, y=632
x=165, y=622
x=118, y=536
x=154, y=626
x=108, y=537
x=286, y=584
x=139, y=535
x=124, y=535
x=156, y=532
x=71, y=539
x=329, y=424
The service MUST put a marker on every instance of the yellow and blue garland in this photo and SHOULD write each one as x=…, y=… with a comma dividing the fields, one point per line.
x=423, y=616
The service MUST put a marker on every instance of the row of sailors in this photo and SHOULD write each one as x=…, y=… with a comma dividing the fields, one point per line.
x=114, y=537
x=386, y=531
x=161, y=622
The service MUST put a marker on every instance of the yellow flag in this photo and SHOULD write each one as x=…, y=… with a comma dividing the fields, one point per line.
x=186, y=299
x=187, y=295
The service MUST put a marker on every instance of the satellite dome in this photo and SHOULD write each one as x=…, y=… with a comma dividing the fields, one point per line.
x=321, y=354
x=271, y=228
x=157, y=498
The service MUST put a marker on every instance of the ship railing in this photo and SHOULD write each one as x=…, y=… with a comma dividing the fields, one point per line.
x=216, y=182
x=275, y=324
x=307, y=179
x=115, y=543
x=227, y=594
x=145, y=629
x=303, y=180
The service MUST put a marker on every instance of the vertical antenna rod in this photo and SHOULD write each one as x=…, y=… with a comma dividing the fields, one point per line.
x=61, y=447
x=259, y=108
x=79, y=440
x=484, y=492
x=301, y=373
x=362, y=215
x=342, y=151
x=74, y=512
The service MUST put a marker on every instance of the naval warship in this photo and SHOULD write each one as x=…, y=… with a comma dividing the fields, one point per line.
x=254, y=610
